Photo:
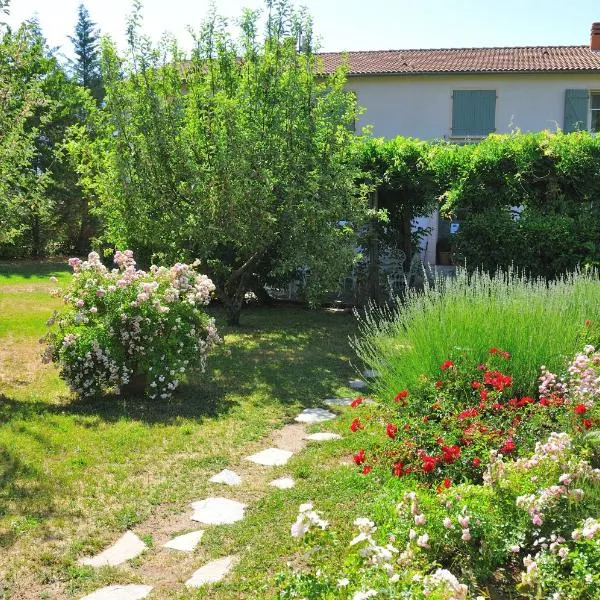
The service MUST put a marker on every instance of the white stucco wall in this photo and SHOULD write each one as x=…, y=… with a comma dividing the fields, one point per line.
x=421, y=106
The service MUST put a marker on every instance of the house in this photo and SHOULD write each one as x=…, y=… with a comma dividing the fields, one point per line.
x=463, y=94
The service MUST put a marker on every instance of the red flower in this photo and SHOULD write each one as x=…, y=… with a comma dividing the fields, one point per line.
x=476, y=385
x=467, y=413
x=359, y=457
x=508, y=446
x=391, y=430
x=483, y=394
x=450, y=453
x=493, y=350
x=447, y=482
x=544, y=402
x=356, y=401
x=429, y=463
x=580, y=409
x=401, y=396
x=524, y=400
x=439, y=384
x=476, y=462
x=398, y=469
x=367, y=469
x=505, y=355
x=497, y=406
x=497, y=380
x=355, y=425
x=446, y=365
x=587, y=423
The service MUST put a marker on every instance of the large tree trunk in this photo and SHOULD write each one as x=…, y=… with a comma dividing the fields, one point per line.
x=233, y=290
x=233, y=308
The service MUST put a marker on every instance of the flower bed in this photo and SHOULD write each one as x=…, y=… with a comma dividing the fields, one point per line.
x=125, y=326
x=486, y=492
x=443, y=430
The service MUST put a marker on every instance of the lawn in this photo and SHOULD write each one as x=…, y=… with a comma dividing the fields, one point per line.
x=74, y=474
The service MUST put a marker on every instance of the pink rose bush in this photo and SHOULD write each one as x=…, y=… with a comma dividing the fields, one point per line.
x=123, y=323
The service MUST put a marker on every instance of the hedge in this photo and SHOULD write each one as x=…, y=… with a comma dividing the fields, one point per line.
x=527, y=199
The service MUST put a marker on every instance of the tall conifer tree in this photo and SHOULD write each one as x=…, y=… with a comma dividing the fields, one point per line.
x=86, y=66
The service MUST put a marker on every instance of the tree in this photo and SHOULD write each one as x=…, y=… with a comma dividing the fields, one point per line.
x=241, y=156
x=37, y=104
x=86, y=67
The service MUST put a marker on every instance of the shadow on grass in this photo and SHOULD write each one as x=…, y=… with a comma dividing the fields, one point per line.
x=28, y=269
x=25, y=497
x=284, y=355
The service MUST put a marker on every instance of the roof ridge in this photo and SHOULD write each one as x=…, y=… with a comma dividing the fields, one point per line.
x=450, y=49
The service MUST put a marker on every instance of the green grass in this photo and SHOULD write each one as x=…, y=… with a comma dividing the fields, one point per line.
x=539, y=323
x=73, y=474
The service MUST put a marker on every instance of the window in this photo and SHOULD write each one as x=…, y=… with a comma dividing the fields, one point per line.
x=473, y=113
x=595, y=112
x=577, y=105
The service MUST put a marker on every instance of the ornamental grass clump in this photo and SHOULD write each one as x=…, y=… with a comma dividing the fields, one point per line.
x=538, y=322
x=130, y=331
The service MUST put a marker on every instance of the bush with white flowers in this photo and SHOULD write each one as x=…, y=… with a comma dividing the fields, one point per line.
x=125, y=324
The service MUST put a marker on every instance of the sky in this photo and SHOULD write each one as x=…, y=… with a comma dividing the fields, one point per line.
x=344, y=25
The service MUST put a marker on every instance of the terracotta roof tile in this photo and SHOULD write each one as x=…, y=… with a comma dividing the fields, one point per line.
x=543, y=59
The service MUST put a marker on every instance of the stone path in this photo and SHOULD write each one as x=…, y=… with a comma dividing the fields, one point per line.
x=314, y=415
x=218, y=510
x=283, y=483
x=125, y=548
x=186, y=542
x=212, y=572
x=323, y=436
x=226, y=476
x=271, y=457
x=357, y=384
x=120, y=592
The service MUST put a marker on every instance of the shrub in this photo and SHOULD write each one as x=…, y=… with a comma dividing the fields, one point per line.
x=126, y=325
x=539, y=323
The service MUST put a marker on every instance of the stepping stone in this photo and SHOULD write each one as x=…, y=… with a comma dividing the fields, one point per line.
x=186, y=542
x=370, y=374
x=271, y=457
x=338, y=401
x=323, y=436
x=357, y=384
x=120, y=592
x=345, y=401
x=283, y=483
x=314, y=415
x=125, y=548
x=218, y=511
x=211, y=572
x=226, y=476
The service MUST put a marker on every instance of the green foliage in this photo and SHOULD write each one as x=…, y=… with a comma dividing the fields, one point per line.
x=38, y=192
x=240, y=157
x=539, y=323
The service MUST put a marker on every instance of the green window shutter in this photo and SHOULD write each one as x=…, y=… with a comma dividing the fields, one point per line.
x=576, y=110
x=473, y=112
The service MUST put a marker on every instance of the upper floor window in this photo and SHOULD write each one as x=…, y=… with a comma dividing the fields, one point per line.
x=473, y=113
x=578, y=105
x=595, y=112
